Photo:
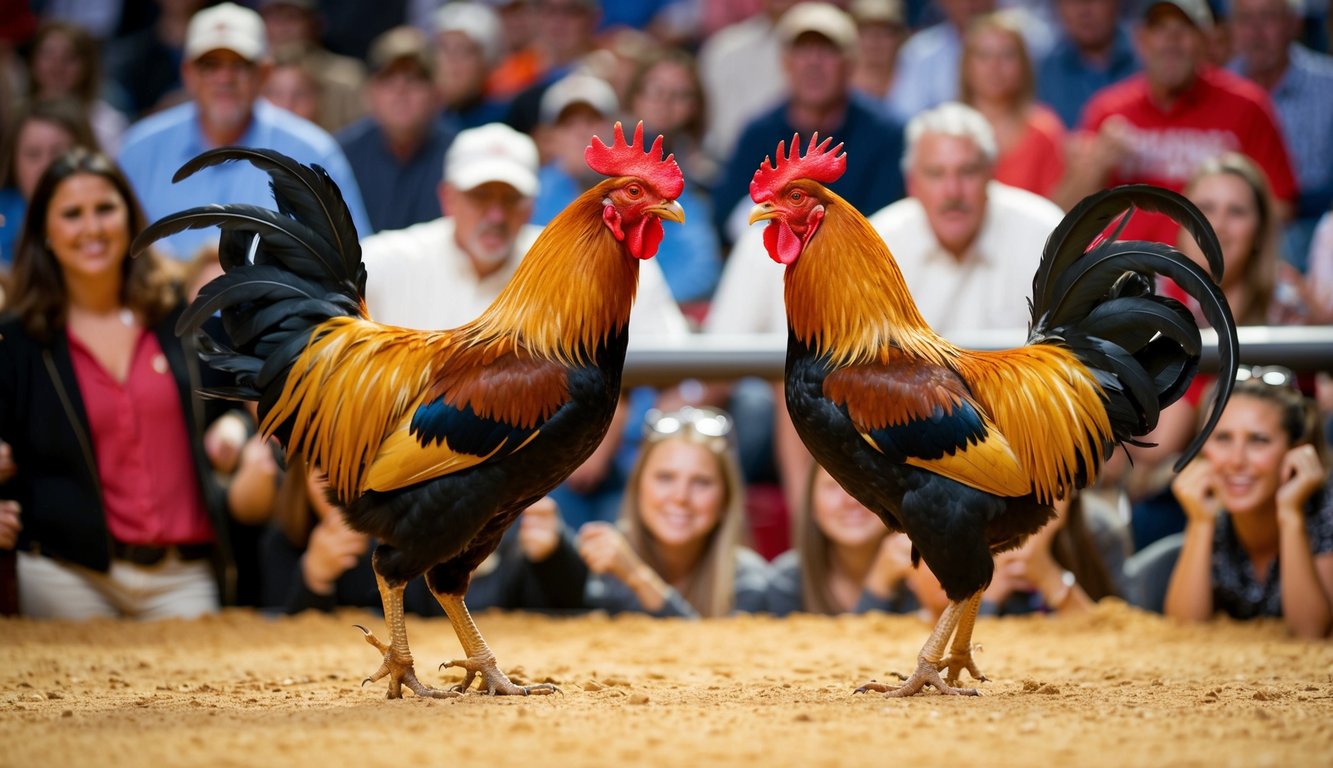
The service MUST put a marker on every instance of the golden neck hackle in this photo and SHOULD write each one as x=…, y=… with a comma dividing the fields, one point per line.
x=572, y=291
x=846, y=297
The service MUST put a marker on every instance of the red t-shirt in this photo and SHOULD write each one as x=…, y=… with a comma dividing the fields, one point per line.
x=142, y=448
x=1221, y=112
x=1036, y=161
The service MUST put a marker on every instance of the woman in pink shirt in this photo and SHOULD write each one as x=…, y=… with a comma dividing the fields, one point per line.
x=119, y=514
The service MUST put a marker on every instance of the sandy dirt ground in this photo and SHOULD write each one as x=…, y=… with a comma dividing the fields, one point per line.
x=1118, y=687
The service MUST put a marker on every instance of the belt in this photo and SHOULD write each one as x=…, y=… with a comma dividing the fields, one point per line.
x=140, y=554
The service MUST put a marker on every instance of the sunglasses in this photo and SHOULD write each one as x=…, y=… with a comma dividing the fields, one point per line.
x=709, y=422
x=1272, y=375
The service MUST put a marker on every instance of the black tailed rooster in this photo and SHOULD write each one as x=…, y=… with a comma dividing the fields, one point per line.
x=433, y=442
x=963, y=450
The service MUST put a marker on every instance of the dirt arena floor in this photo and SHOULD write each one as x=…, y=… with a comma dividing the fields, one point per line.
x=1117, y=688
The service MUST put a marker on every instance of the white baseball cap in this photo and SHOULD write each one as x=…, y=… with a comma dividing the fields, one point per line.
x=479, y=23
x=225, y=27
x=492, y=152
x=578, y=88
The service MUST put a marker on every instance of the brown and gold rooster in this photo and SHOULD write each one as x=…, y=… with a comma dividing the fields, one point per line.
x=966, y=450
x=433, y=442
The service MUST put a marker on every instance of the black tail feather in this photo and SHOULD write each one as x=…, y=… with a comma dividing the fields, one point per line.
x=286, y=272
x=1099, y=302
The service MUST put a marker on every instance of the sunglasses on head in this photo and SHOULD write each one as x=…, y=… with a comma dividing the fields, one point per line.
x=1272, y=375
x=709, y=422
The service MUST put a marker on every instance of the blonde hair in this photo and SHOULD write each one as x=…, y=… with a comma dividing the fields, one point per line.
x=999, y=21
x=1260, y=271
x=712, y=587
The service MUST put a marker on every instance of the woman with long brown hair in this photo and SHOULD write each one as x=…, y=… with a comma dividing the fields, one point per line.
x=120, y=513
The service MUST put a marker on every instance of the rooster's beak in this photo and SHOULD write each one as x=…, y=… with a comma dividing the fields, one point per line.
x=669, y=210
x=763, y=212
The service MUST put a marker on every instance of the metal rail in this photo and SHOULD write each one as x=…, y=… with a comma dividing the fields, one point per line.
x=718, y=357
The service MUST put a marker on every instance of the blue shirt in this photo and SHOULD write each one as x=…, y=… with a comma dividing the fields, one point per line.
x=1303, y=100
x=1066, y=80
x=689, y=255
x=873, y=142
x=398, y=193
x=12, y=210
x=157, y=146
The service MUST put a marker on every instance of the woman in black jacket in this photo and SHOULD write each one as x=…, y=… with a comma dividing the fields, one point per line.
x=119, y=511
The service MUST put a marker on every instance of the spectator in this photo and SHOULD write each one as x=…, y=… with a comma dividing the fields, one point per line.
x=666, y=93
x=1159, y=126
x=677, y=550
x=313, y=560
x=818, y=47
x=881, y=32
x=998, y=83
x=567, y=35
x=1299, y=82
x=397, y=151
x=520, y=64
x=468, y=45
x=967, y=245
x=928, y=65
x=741, y=68
x=64, y=63
x=120, y=513
x=293, y=84
x=1092, y=50
x=1072, y=562
x=224, y=67
x=1259, y=537
x=38, y=135
x=846, y=561
x=293, y=28
x=145, y=66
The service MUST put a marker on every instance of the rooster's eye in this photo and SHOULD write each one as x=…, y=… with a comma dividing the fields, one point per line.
x=634, y=190
x=796, y=196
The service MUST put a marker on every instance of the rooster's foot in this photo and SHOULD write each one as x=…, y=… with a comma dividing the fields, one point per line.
x=956, y=663
x=399, y=671
x=925, y=674
x=497, y=683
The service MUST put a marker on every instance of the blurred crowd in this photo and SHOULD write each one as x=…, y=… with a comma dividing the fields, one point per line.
x=456, y=130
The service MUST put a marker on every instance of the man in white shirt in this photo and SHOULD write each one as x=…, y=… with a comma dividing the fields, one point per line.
x=443, y=273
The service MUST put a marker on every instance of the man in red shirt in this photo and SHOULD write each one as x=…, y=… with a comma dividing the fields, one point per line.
x=1158, y=126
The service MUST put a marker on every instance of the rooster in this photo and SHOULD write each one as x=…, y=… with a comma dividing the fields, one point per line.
x=433, y=442
x=965, y=451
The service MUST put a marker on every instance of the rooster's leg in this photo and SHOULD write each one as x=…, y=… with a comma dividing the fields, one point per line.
x=480, y=660
x=960, y=652
x=928, y=662
x=397, y=664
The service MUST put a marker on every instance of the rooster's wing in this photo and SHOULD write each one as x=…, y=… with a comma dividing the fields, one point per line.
x=923, y=414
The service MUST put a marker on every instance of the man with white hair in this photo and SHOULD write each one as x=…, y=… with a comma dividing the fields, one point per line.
x=224, y=66
x=967, y=245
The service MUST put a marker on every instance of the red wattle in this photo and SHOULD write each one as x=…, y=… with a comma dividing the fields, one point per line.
x=782, y=244
x=642, y=240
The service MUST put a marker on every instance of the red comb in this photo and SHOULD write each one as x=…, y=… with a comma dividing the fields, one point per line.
x=621, y=159
x=819, y=164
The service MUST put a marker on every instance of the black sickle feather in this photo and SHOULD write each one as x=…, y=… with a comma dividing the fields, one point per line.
x=304, y=193
x=1090, y=218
